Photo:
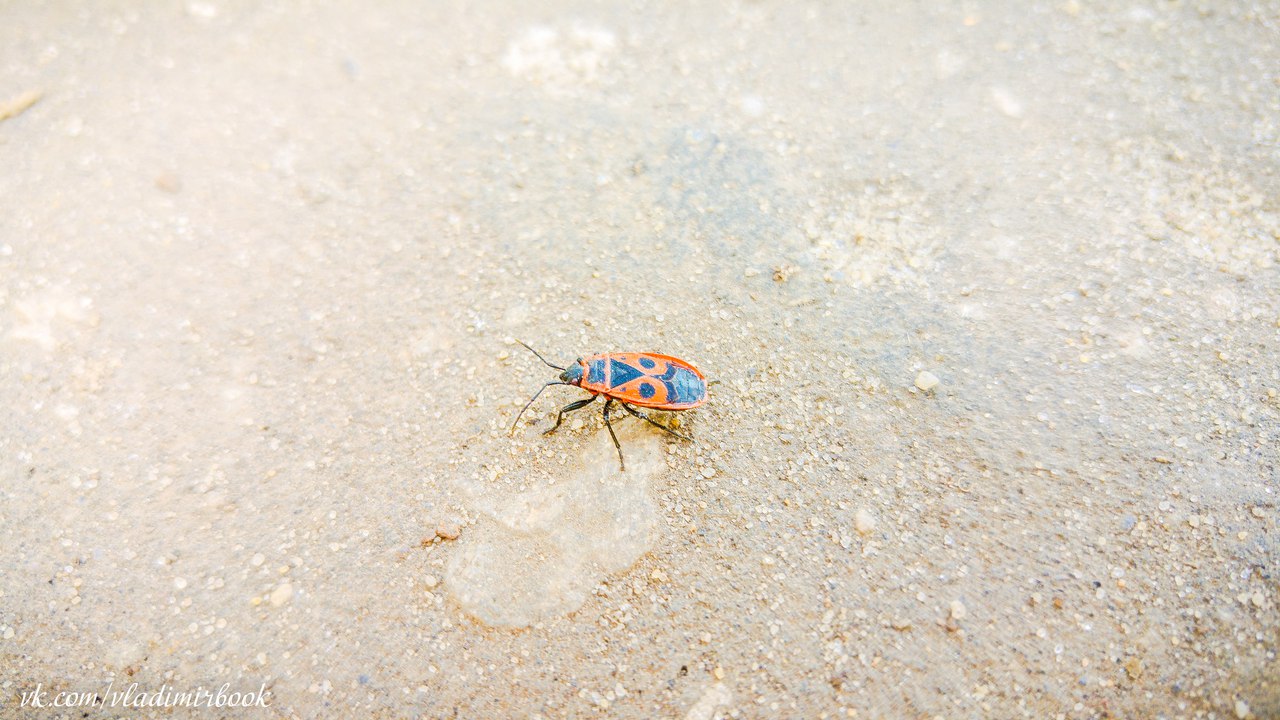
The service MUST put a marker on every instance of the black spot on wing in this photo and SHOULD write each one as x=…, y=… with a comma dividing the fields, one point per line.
x=669, y=373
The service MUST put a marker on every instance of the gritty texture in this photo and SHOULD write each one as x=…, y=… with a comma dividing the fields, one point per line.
x=263, y=266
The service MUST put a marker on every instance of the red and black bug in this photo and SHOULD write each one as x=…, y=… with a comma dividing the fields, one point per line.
x=632, y=380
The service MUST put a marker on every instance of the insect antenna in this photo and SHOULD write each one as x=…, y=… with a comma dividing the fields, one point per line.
x=535, y=352
x=535, y=397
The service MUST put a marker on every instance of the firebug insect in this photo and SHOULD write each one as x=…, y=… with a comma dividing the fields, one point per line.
x=632, y=380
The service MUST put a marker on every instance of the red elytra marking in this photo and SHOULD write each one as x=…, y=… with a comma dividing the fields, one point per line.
x=631, y=391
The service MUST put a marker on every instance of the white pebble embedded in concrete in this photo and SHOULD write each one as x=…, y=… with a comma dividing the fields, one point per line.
x=927, y=381
x=864, y=522
x=281, y=594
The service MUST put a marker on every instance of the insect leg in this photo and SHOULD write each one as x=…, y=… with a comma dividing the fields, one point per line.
x=652, y=422
x=569, y=408
x=621, y=463
x=526, y=405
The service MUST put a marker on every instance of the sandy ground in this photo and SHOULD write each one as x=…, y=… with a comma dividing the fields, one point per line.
x=262, y=266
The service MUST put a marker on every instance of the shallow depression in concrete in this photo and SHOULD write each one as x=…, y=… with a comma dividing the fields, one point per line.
x=538, y=553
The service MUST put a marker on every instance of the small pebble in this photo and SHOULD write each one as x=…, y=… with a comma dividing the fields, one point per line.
x=168, y=182
x=864, y=522
x=927, y=381
x=18, y=104
x=257, y=559
x=1242, y=709
x=1006, y=102
x=448, y=531
x=430, y=581
x=708, y=472
x=281, y=594
x=958, y=610
x=179, y=583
